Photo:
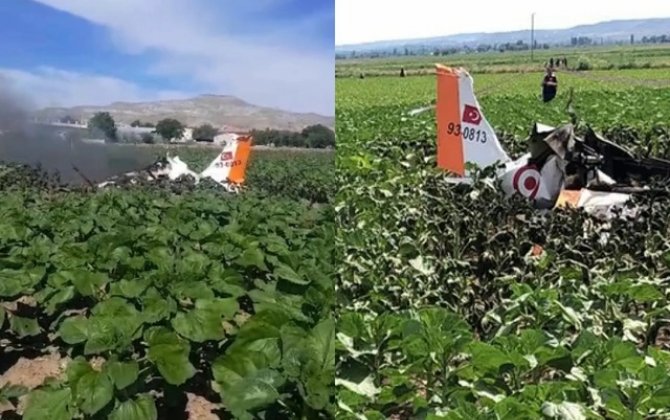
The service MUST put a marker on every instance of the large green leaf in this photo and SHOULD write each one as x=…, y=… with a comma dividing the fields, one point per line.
x=259, y=337
x=129, y=288
x=102, y=335
x=24, y=327
x=87, y=283
x=123, y=374
x=294, y=345
x=226, y=308
x=319, y=370
x=94, y=391
x=74, y=330
x=157, y=308
x=487, y=357
x=253, y=257
x=247, y=383
x=285, y=272
x=170, y=354
x=15, y=282
x=114, y=323
x=141, y=408
x=64, y=295
x=192, y=290
x=49, y=404
x=199, y=325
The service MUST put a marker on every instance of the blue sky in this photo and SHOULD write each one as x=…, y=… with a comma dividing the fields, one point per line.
x=277, y=53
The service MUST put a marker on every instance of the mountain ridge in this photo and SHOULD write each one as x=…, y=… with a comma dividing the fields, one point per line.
x=611, y=30
x=218, y=110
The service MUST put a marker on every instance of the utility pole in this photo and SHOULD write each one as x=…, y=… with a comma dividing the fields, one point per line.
x=532, y=35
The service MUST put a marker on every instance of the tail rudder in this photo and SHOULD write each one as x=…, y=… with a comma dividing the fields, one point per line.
x=463, y=133
x=231, y=164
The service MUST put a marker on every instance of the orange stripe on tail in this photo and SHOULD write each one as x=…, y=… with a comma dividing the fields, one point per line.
x=242, y=155
x=450, y=154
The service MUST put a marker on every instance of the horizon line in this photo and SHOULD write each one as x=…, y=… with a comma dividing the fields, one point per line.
x=389, y=40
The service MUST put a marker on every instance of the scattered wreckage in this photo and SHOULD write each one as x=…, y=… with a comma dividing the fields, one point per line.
x=560, y=168
x=227, y=169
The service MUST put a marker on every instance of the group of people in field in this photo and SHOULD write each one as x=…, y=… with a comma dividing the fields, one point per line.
x=549, y=82
x=557, y=62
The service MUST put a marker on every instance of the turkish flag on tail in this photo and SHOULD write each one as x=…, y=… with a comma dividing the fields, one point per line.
x=471, y=115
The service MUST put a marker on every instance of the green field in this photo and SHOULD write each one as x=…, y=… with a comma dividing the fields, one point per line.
x=608, y=100
x=444, y=310
x=591, y=58
x=149, y=296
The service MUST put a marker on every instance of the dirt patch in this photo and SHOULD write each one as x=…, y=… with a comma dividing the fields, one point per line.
x=662, y=339
x=96, y=363
x=31, y=373
x=14, y=305
x=199, y=408
x=241, y=317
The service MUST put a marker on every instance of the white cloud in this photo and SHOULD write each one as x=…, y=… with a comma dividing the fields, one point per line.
x=360, y=21
x=46, y=87
x=273, y=65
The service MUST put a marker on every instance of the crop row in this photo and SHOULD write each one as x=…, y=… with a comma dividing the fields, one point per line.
x=149, y=294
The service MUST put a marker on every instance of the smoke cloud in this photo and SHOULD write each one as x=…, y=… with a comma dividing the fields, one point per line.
x=57, y=149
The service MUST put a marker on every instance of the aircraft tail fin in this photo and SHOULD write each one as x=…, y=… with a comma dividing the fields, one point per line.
x=463, y=133
x=231, y=164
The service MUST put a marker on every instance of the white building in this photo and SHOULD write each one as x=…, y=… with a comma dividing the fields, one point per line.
x=186, y=137
x=219, y=139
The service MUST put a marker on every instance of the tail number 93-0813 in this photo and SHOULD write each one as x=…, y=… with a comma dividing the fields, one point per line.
x=470, y=134
x=228, y=164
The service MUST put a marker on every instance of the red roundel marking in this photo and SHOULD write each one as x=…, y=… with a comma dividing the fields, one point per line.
x=530, y=183
x=527, y=181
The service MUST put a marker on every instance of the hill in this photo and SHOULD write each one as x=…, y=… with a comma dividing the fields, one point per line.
x=217, y=110
x=607, y=32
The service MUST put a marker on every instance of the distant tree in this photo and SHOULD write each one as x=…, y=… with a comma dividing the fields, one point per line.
x=103, y=122
x=128, y=138
x=147, y=138
x=205, y=132
x=170, y=129
x=315, y=136
x=138, y=123
x=318, y=136
x=68, y=120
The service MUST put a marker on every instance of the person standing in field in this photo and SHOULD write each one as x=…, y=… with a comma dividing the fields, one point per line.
x=551, y=62
x=549, y=85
